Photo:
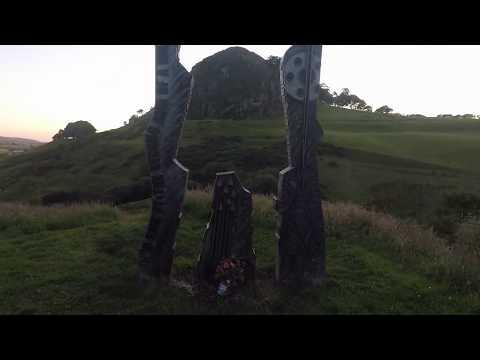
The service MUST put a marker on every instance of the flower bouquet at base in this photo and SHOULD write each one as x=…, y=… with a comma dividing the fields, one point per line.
x=230, y=275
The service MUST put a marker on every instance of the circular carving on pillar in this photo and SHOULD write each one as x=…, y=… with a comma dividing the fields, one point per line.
x=293, y=68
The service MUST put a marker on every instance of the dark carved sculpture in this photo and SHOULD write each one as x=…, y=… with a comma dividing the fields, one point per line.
x=173, y=86
x=229, y=232
x=300, y=235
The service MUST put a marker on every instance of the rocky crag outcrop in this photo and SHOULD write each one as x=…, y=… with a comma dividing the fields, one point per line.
x=236, y=84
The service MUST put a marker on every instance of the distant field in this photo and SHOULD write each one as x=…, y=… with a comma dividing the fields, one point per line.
x=365, y=158
x=13, y=146
x=457, y=151
x=10, y=143
x=450, y=142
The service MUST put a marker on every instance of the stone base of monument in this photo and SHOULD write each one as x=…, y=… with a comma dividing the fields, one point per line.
x=227, y=261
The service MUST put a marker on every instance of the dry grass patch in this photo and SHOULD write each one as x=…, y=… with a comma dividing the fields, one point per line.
x=458, y=262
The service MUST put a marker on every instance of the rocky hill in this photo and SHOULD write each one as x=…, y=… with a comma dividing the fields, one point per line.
x=235, y=84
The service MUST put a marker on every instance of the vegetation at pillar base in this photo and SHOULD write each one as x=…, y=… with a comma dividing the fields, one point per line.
x=82, y=260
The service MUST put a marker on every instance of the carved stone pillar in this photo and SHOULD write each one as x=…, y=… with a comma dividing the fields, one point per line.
x=173, y=86
x=301, y=240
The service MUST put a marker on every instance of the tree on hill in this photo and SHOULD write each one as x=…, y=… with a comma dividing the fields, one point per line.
x=59, y=135
x=133, y=119
x=342, y=99
x=356, y=103
x=384, y=110
x=75, y=130
x=274, y=61
x=325, y=95
x=347, y=99
x=79, y=129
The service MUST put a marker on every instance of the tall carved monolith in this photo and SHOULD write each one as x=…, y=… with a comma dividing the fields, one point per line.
x=229, y=231
x=300, y=234
x=173, y=86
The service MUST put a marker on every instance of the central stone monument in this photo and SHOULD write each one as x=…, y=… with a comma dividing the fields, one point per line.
x=228, y=234
x=300, y=236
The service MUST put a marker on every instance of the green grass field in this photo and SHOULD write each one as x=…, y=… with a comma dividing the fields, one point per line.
x=3, y=153
x=449, y=142
x=82, y=260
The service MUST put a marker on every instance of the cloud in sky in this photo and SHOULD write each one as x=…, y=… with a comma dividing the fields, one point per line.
x=42, y=88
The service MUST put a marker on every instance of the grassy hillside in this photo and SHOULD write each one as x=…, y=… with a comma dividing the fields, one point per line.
x=82, y=259
x=12, y=146
x=451, y=142
x=407, y=165
x=11, y=143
